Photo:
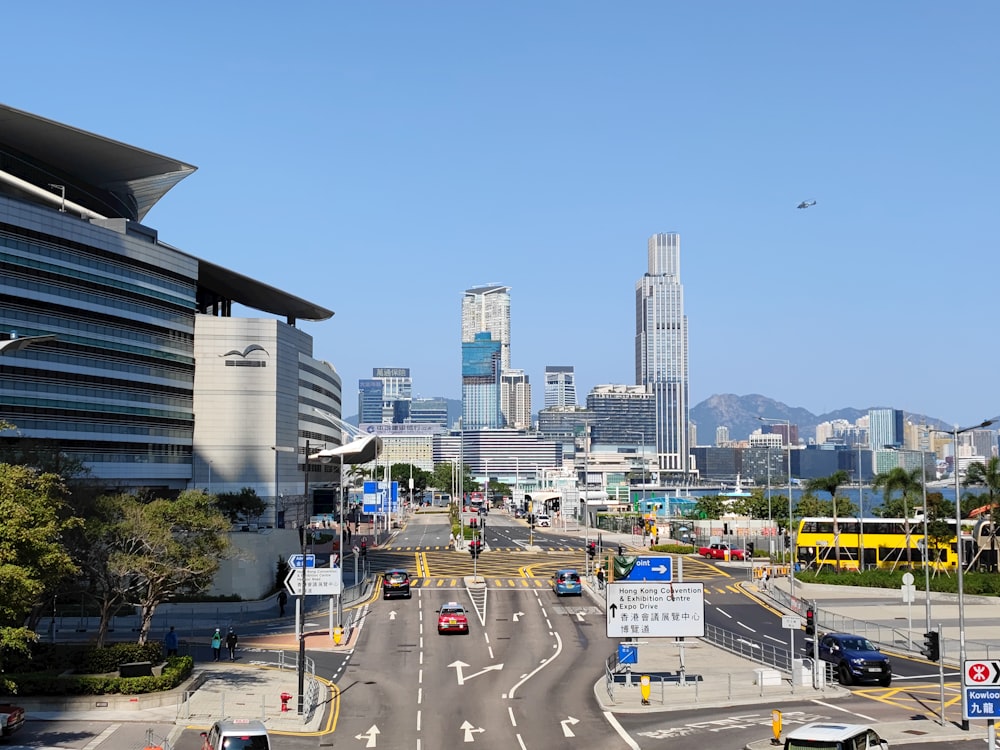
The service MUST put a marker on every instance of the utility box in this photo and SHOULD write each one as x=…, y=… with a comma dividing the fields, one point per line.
x=802, y=671
x=767, y=677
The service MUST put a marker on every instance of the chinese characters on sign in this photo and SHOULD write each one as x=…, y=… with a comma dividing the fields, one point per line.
x=655, y=609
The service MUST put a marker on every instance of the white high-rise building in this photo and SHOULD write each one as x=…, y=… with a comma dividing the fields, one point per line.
x=487, y=308
x=661, y=349
x=515, y=399
x=560, y=386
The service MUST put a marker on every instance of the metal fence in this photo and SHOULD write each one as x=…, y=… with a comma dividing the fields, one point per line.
x=884, y=635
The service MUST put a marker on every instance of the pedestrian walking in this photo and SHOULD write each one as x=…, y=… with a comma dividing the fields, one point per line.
x=347, y=530
x=217, y=645
x=600, y=577
x=282, y=601
x=171, y=642
x=231, y=641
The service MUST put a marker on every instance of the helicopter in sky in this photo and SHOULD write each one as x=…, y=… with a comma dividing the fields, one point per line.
x=806, y=204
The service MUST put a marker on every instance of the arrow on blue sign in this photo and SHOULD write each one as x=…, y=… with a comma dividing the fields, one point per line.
x=302, y=561
x=651, y=569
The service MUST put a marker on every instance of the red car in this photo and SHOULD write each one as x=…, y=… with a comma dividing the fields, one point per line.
x=11, y=718
x=718, y=552
x=453, y=619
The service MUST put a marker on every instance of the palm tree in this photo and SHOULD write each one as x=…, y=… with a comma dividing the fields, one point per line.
x=908, y=483
x=831, y=484
x=987, y=474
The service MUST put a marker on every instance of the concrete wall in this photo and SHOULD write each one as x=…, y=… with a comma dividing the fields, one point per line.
x=253, y=562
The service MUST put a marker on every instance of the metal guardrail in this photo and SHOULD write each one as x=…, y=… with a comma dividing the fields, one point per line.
x=760, y=652
x=884, y=635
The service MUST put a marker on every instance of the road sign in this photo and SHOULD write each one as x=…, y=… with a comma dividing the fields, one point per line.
x=655, y=609
x=981, y=673
x=650, y=569
x=791, y=622
x=319, y=581
x=628, y=653
x=302, y=561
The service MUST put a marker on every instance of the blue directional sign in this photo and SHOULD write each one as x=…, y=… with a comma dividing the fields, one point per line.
x=302, y=561
x=381, y=497
x=650, y=569
x=628, y=654
x=982, y=702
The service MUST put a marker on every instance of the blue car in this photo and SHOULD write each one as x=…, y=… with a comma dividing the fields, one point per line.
x=856, y=659
x=567, y=583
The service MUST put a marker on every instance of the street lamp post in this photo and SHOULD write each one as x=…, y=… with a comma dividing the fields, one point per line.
x=791, y=539
x=642, y=435
x=958, y=541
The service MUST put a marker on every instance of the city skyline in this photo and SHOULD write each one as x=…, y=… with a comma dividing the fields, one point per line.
x=388, y=165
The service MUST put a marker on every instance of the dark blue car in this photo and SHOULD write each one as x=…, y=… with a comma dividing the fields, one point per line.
x=856, y=658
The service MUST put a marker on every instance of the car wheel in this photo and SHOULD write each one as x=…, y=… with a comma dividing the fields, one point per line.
x=844, y=675
x=885, y=681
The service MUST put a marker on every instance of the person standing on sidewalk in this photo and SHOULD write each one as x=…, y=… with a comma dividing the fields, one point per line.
x=217, y=645
x=171, y=641
x=282, y=601
x=231, y=641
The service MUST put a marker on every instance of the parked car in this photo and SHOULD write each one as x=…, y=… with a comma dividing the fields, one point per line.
x=396, y=582
x=835, y=736
x=518, y=513
x=11, y=718
x=453, y=619
x=856, y=658
x=543, y=520
x=566, y=582
x=718, y=551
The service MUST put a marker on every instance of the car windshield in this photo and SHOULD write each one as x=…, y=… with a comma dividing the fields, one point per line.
x=397, y=576
x=858, y=644
x=569, y=577
x=452, y=611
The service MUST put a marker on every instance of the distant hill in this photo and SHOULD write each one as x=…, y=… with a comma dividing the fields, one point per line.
x=739, y=414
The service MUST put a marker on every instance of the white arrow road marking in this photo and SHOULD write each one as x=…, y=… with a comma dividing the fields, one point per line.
x=566, y=724
x=469, y=729
x=392, y=615
x=579, y=616
x=370, y=735
x=518, y=616
x=462, y=677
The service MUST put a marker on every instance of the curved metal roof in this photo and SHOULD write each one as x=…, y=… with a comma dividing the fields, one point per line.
x=109, y=177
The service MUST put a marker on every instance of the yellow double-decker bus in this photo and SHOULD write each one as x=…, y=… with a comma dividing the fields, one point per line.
x=871, y=543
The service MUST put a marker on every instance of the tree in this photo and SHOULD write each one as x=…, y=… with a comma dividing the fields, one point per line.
x=831, y=484
x=710, y=506
x=32, y=556
x=168, y=547
x=908, y=483
x=242, y=505
x=401, y=473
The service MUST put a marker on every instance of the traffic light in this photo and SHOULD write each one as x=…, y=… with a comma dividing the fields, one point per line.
x=750, y=549
x=788, y=541
x=473, y=522
x=475, y=547
x=591, y=549
x=932, y=646
x=810, y=622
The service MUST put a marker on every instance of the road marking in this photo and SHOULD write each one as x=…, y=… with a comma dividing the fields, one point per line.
x=510, y=713
x=102, y=736
x=846, y=711
x=722, y=611
x=776, y=640
x=566, y=724
x=610, y=717
x=746, y=626
x=370, y=736
x=469, y=729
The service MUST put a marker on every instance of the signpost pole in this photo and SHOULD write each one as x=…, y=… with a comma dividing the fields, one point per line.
x=941, y=670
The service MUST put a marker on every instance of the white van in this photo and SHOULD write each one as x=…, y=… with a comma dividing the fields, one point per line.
x=830, y=736
x=238, y=734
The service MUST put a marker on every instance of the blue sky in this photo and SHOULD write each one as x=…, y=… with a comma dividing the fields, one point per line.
x=381, y=157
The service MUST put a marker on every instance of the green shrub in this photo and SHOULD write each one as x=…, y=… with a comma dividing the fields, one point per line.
x=176, y=670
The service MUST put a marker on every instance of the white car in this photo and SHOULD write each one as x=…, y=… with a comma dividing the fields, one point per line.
x=543, y=521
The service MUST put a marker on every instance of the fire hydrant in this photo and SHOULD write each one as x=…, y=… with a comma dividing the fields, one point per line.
x=285, y=697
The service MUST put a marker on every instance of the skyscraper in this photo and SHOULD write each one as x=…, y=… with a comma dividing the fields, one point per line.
x=487, y=308
x=661, y=349
x=481, y=383
x=885, y=427
x=560, y=386
x=515, y=399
